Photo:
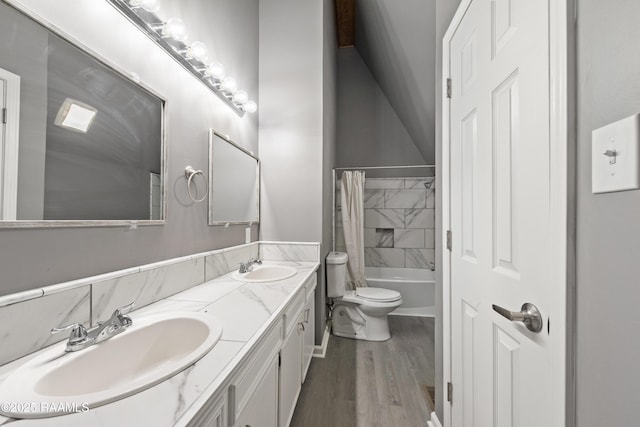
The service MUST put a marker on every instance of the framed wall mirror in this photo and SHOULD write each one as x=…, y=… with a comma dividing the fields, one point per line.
x=234, y=175
x=82, y=144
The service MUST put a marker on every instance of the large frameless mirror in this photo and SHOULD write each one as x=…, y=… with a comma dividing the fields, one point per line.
x=234, y=175
x=82, y=144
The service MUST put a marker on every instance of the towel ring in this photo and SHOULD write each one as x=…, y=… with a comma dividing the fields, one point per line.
x=190, y=173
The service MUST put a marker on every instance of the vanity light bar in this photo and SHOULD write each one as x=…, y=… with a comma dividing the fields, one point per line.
x=172, y=36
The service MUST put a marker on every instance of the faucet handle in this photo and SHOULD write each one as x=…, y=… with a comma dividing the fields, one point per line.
x=78, y=331
x=120, y=311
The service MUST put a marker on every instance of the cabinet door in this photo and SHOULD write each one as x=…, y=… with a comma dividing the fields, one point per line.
x=290, y=372
x=212, y=414
x=262, y=407
x=309, y=334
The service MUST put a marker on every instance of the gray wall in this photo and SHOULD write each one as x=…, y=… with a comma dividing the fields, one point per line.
x=294, y=124
x=397, y=41
x=445, y=9
x=608, y=225
x=23, y=51
x=329, y=131
x=63, y=254
x=370, y=133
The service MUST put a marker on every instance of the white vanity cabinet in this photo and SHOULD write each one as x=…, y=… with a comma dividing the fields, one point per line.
x=297, y=349
x=263, y=390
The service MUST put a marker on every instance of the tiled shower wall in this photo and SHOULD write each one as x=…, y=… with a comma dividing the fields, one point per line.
x=399, y=222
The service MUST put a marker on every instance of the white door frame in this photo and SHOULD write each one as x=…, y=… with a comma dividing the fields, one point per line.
x=562, y=198
x=9, y=155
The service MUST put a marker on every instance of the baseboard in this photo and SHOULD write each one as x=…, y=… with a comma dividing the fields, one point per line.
x=321, y=350
x=435, y=422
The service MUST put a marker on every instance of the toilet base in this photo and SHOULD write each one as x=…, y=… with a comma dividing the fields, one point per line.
x=348, y=321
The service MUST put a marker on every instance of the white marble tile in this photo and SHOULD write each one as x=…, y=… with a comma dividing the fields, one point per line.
x=384, y=257
x=420, y=258
x=145, y=287
x=431, y=199
x=406, y=199
x=258, y=301
x=419, y=218
x=208, y=292
x=289, y=252
x=383, y=183
x=26, y=326
x=370, y=240
x=228, y=260
x=407, y=238
x=384, y=218
x=49, y=290
x=166, y=305
x=373, y=198
x=429, y=238
x=239, y=325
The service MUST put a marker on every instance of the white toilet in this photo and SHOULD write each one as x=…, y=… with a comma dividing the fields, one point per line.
x=360, y=314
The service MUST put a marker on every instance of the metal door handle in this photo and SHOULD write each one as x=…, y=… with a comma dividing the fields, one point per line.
x=528, y=314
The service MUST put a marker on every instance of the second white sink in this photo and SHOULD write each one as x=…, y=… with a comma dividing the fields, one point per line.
x=266, y=273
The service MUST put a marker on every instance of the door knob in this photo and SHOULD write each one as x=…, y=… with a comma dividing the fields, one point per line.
x=528, y=314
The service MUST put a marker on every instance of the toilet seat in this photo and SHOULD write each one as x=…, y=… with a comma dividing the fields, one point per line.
x=373, y=295
x=377, y=294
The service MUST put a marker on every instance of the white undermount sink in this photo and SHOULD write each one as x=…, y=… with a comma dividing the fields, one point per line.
x=265, y=273
x=153, y=349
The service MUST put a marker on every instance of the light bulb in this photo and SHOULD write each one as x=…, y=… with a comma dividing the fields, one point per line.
x=250, y=107
x=229, y=85
x=240, y=97
x=148, y=5
x=175, y=29
x=215, y=70
x=197, y=51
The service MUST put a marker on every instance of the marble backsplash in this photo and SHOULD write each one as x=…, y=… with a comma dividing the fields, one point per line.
x=399, y=223
x=27, y=317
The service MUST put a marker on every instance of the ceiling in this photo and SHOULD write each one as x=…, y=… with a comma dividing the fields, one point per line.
x=396, y=39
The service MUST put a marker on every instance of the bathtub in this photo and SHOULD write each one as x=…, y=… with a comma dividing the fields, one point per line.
x=417, y=287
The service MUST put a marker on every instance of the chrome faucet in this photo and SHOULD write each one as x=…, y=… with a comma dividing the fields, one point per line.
x=81, y=337
x=248, y=266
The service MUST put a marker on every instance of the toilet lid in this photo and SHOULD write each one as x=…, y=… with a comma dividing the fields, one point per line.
x=377, y=294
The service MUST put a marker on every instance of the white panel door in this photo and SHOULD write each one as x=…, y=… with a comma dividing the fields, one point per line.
x=500, y=218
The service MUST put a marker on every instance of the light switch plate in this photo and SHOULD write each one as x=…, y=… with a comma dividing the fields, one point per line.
x=615, y=156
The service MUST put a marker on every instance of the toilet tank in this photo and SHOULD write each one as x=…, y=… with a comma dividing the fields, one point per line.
x=336, y=274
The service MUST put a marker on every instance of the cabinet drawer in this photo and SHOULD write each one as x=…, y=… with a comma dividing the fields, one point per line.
x=249, y=375
x=293, y=311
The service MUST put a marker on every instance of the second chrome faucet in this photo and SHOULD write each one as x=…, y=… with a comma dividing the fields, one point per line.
x=248, y=266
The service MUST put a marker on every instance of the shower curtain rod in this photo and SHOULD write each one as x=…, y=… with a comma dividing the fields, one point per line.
x=385, y=167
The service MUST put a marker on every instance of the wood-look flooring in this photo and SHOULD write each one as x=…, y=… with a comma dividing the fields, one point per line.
x=369, y=384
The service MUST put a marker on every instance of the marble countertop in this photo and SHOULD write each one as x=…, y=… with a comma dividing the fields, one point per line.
x=245, y=310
